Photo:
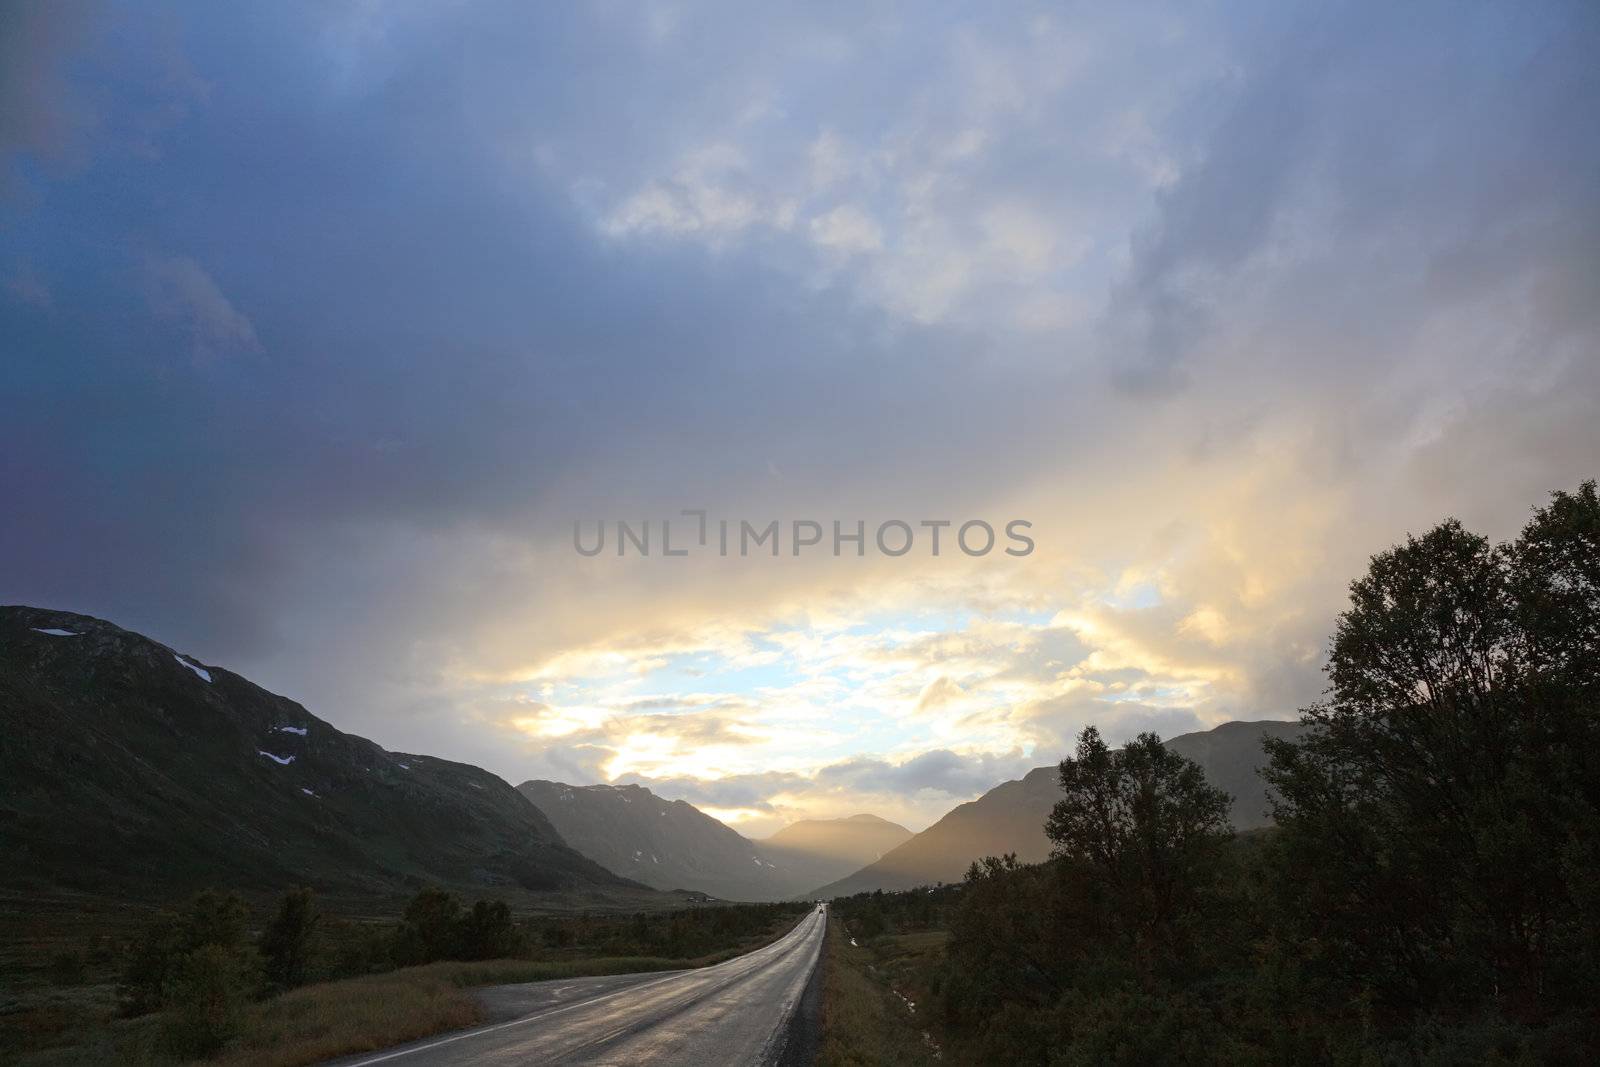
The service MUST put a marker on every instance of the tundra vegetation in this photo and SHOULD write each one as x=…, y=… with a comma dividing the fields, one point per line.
x=214, y=979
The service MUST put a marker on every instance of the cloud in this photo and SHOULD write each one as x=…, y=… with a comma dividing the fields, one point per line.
x=42, y=113
x=1222, y=301
x=180, y=291
x=916, y=792
x=847, y=229
x=940, y=691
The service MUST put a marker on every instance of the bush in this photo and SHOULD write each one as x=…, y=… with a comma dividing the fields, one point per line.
x=206, y=999
x=161, y=952
x=429, y=929
x=488, y=933
x=286, y=943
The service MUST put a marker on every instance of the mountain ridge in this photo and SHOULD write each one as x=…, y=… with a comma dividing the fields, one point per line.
x=838, y=846
x=665, y=844
x=671, y=844
x=127, y=767
x=1010, y=817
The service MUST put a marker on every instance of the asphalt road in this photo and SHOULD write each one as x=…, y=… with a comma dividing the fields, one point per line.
x=737, y=1012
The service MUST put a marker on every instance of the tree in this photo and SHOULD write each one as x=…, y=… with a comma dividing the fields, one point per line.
x=209, y=919
x=1144, y=822
x=1438, y=818
x=488, y=933
x=286, y=942
x=429, y=928
x=1076, y=959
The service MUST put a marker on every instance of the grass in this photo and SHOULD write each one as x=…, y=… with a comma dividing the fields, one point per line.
x=867, y=1019
x=366, y=1014
x=356, y=1015
x=318, y=1022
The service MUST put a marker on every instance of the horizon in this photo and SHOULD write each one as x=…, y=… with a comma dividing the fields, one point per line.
x=761, y=830
x=329, y=349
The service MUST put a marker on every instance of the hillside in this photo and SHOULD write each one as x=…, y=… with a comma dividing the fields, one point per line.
x=1010, y=817
x=129, y=770
x=671, y=844
x=1231, y=756
x=826, y=849
x=666, y=844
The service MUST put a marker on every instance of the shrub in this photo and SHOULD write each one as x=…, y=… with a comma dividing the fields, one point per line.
x=286, y=943
x=160, y=953
x=206, y=999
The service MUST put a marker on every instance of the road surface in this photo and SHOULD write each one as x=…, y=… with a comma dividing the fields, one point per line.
x=736, y=1012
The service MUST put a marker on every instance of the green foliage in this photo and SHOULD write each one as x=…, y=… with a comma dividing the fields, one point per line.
x=487, y=932
x=345, y=949
x=159, y=958
x=286, y=943
x=196, y=975
x=435, y=926
x=1431, y=894
x=1440, y=816
x=429, y=929
x=206, y=997
x=685, y=934
x=1088, y=954
x=1142, y=824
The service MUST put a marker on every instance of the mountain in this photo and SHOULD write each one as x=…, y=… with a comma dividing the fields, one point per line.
x=129, y=769
x=671, y=844
x=1231, y=756
x=1010, y=817
x=666, y=844
x=832, y=848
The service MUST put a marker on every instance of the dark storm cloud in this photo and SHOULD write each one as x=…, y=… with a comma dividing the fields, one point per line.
x=392, y=328
x=1427, y=132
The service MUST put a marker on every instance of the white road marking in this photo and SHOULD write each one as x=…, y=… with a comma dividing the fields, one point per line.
x=758, y=954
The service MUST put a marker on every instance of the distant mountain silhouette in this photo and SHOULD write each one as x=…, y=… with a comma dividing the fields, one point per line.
x=667, y=844
x=832, y=848
x=671, y=844
x=1010, y=817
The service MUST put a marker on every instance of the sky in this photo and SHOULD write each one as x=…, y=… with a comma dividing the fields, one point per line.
x=322, y=325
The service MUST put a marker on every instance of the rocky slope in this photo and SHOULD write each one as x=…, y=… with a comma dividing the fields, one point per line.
x=128, y=769
x=666, y=844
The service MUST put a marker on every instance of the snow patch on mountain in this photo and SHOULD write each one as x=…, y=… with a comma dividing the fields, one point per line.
x=200, y=671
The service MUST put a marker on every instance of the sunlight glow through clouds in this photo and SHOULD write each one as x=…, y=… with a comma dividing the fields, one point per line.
x=1222, y=298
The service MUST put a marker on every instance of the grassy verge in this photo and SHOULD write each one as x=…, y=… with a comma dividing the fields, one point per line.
x=869, y=1016
x=366, y=1014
